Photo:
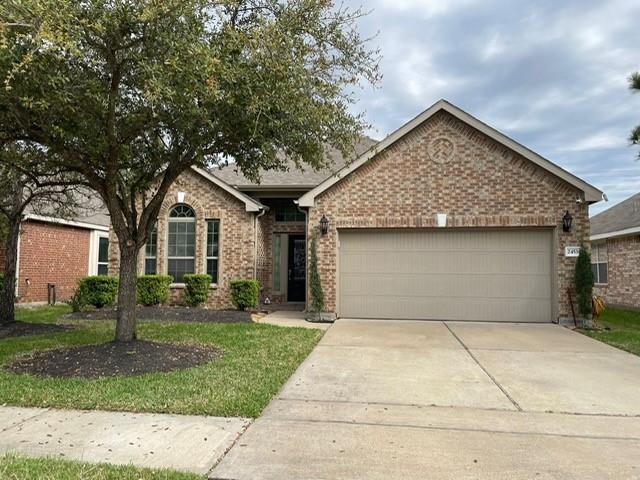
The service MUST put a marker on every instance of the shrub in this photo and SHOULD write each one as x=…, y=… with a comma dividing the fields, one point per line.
x=315, y=284
x=78, y=301
x=584, y=281
x=245, y=293
x=153, y=289
x=1, y=280
x=99, y=290
x=196, y=289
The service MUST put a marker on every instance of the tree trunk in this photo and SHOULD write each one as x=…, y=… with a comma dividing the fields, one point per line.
x=8, y=291
x=126, y=325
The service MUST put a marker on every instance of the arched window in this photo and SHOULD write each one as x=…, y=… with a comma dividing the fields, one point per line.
x=181, y=244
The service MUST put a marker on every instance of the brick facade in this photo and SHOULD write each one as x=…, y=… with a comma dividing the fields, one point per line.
x=237, y=237
x=623, y=287
x=51, y=253
x=483, y=184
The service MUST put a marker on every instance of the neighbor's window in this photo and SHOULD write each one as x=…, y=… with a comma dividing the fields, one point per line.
x=599, y=263
x=288, y=213
x=213, y=246
x=103, y=256
x=181, y=244
x=151, y=252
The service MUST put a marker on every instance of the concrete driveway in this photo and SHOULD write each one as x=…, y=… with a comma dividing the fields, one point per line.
x=447, y=400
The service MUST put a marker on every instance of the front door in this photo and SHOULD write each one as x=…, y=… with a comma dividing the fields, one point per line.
x=297, y=268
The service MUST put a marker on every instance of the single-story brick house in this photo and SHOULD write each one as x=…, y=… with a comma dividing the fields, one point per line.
x=59, y=252
x=615, y=253
x=446, y=218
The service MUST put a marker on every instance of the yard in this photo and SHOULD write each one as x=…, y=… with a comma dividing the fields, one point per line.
x=621, y=328
x=14, y=467
x=256, y=361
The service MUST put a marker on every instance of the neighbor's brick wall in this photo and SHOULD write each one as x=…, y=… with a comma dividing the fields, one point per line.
x=267, y=228
x=237, y=236
x=51, y=253
x=484, y=185
x=623, y=288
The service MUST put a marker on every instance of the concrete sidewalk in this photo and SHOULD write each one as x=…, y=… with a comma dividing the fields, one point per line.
x=181, y=442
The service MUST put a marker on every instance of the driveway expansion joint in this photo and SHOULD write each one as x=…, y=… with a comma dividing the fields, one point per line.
x=493, y=379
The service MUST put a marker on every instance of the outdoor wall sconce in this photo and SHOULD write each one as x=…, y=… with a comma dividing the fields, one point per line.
x=567, y=220
x=324, y=225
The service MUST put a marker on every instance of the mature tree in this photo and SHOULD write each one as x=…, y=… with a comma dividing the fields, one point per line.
x=634, y=85
x=22, y=188
x=131, y=93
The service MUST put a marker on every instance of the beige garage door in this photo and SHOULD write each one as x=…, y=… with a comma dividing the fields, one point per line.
x=483, y=275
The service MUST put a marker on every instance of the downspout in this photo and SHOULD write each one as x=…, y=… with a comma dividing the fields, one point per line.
x=255, y=242
x=17, y=292
x=306, y=257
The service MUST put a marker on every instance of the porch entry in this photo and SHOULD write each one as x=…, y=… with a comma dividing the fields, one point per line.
x=290, y=262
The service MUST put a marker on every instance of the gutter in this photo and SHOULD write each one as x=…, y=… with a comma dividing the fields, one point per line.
x=615, y=233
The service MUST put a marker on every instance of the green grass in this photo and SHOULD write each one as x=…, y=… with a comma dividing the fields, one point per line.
x=15, y=467
x=623, y=329
x=257, y=360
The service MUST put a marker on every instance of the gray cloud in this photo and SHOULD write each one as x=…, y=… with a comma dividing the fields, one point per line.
x=550, y=74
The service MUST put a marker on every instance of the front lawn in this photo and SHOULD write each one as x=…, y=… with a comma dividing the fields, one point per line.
x=622, y=329
x=14, y=467
x=257, y=359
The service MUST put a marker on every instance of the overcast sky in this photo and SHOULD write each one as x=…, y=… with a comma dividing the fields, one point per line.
x=551, y=74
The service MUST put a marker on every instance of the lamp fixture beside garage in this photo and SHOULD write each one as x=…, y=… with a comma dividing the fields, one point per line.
x=567, y=220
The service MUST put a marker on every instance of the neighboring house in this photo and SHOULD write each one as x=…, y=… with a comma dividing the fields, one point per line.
x=446, y=218
x=59, y=252
x=615, y=253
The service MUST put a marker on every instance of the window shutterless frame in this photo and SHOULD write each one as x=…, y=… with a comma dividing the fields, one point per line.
x=151, y=252
x=181, y=242
x=213, y=249
x=600, y=263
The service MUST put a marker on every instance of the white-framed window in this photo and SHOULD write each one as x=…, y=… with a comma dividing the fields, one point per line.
x=103, y=255
x=151, y=252
x=213, y=248
x=600, y=263
x=99, y=253
x=181, y=242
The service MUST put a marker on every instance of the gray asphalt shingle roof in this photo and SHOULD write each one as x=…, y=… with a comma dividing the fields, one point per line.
x=622, y=216
x=293, y=177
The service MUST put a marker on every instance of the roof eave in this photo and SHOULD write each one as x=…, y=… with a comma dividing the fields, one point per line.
x=616, y=233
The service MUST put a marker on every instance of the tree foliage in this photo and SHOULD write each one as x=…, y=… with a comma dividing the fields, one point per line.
x=130, y=93
x=634, y=85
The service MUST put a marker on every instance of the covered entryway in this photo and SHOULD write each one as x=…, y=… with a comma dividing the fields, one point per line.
x=500, y=275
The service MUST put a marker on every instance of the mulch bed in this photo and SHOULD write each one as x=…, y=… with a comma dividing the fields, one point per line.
x=114, y=358
x=172, y=314
x=23, y=329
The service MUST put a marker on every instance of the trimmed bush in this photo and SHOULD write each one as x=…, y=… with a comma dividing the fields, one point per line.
x=315, y=283
x=196, y=289
x=245, y=293
x=153, y=289
x=1, y=280
x=584, y=281
x=99, y=290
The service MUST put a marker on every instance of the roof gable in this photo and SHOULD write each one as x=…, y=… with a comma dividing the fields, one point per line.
x=251, y=205
x=591, y=193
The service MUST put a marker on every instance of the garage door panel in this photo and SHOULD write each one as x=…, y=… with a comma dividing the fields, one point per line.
x=432, y=285
x=433, y=308
x=491, y=275
x=444, y=261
